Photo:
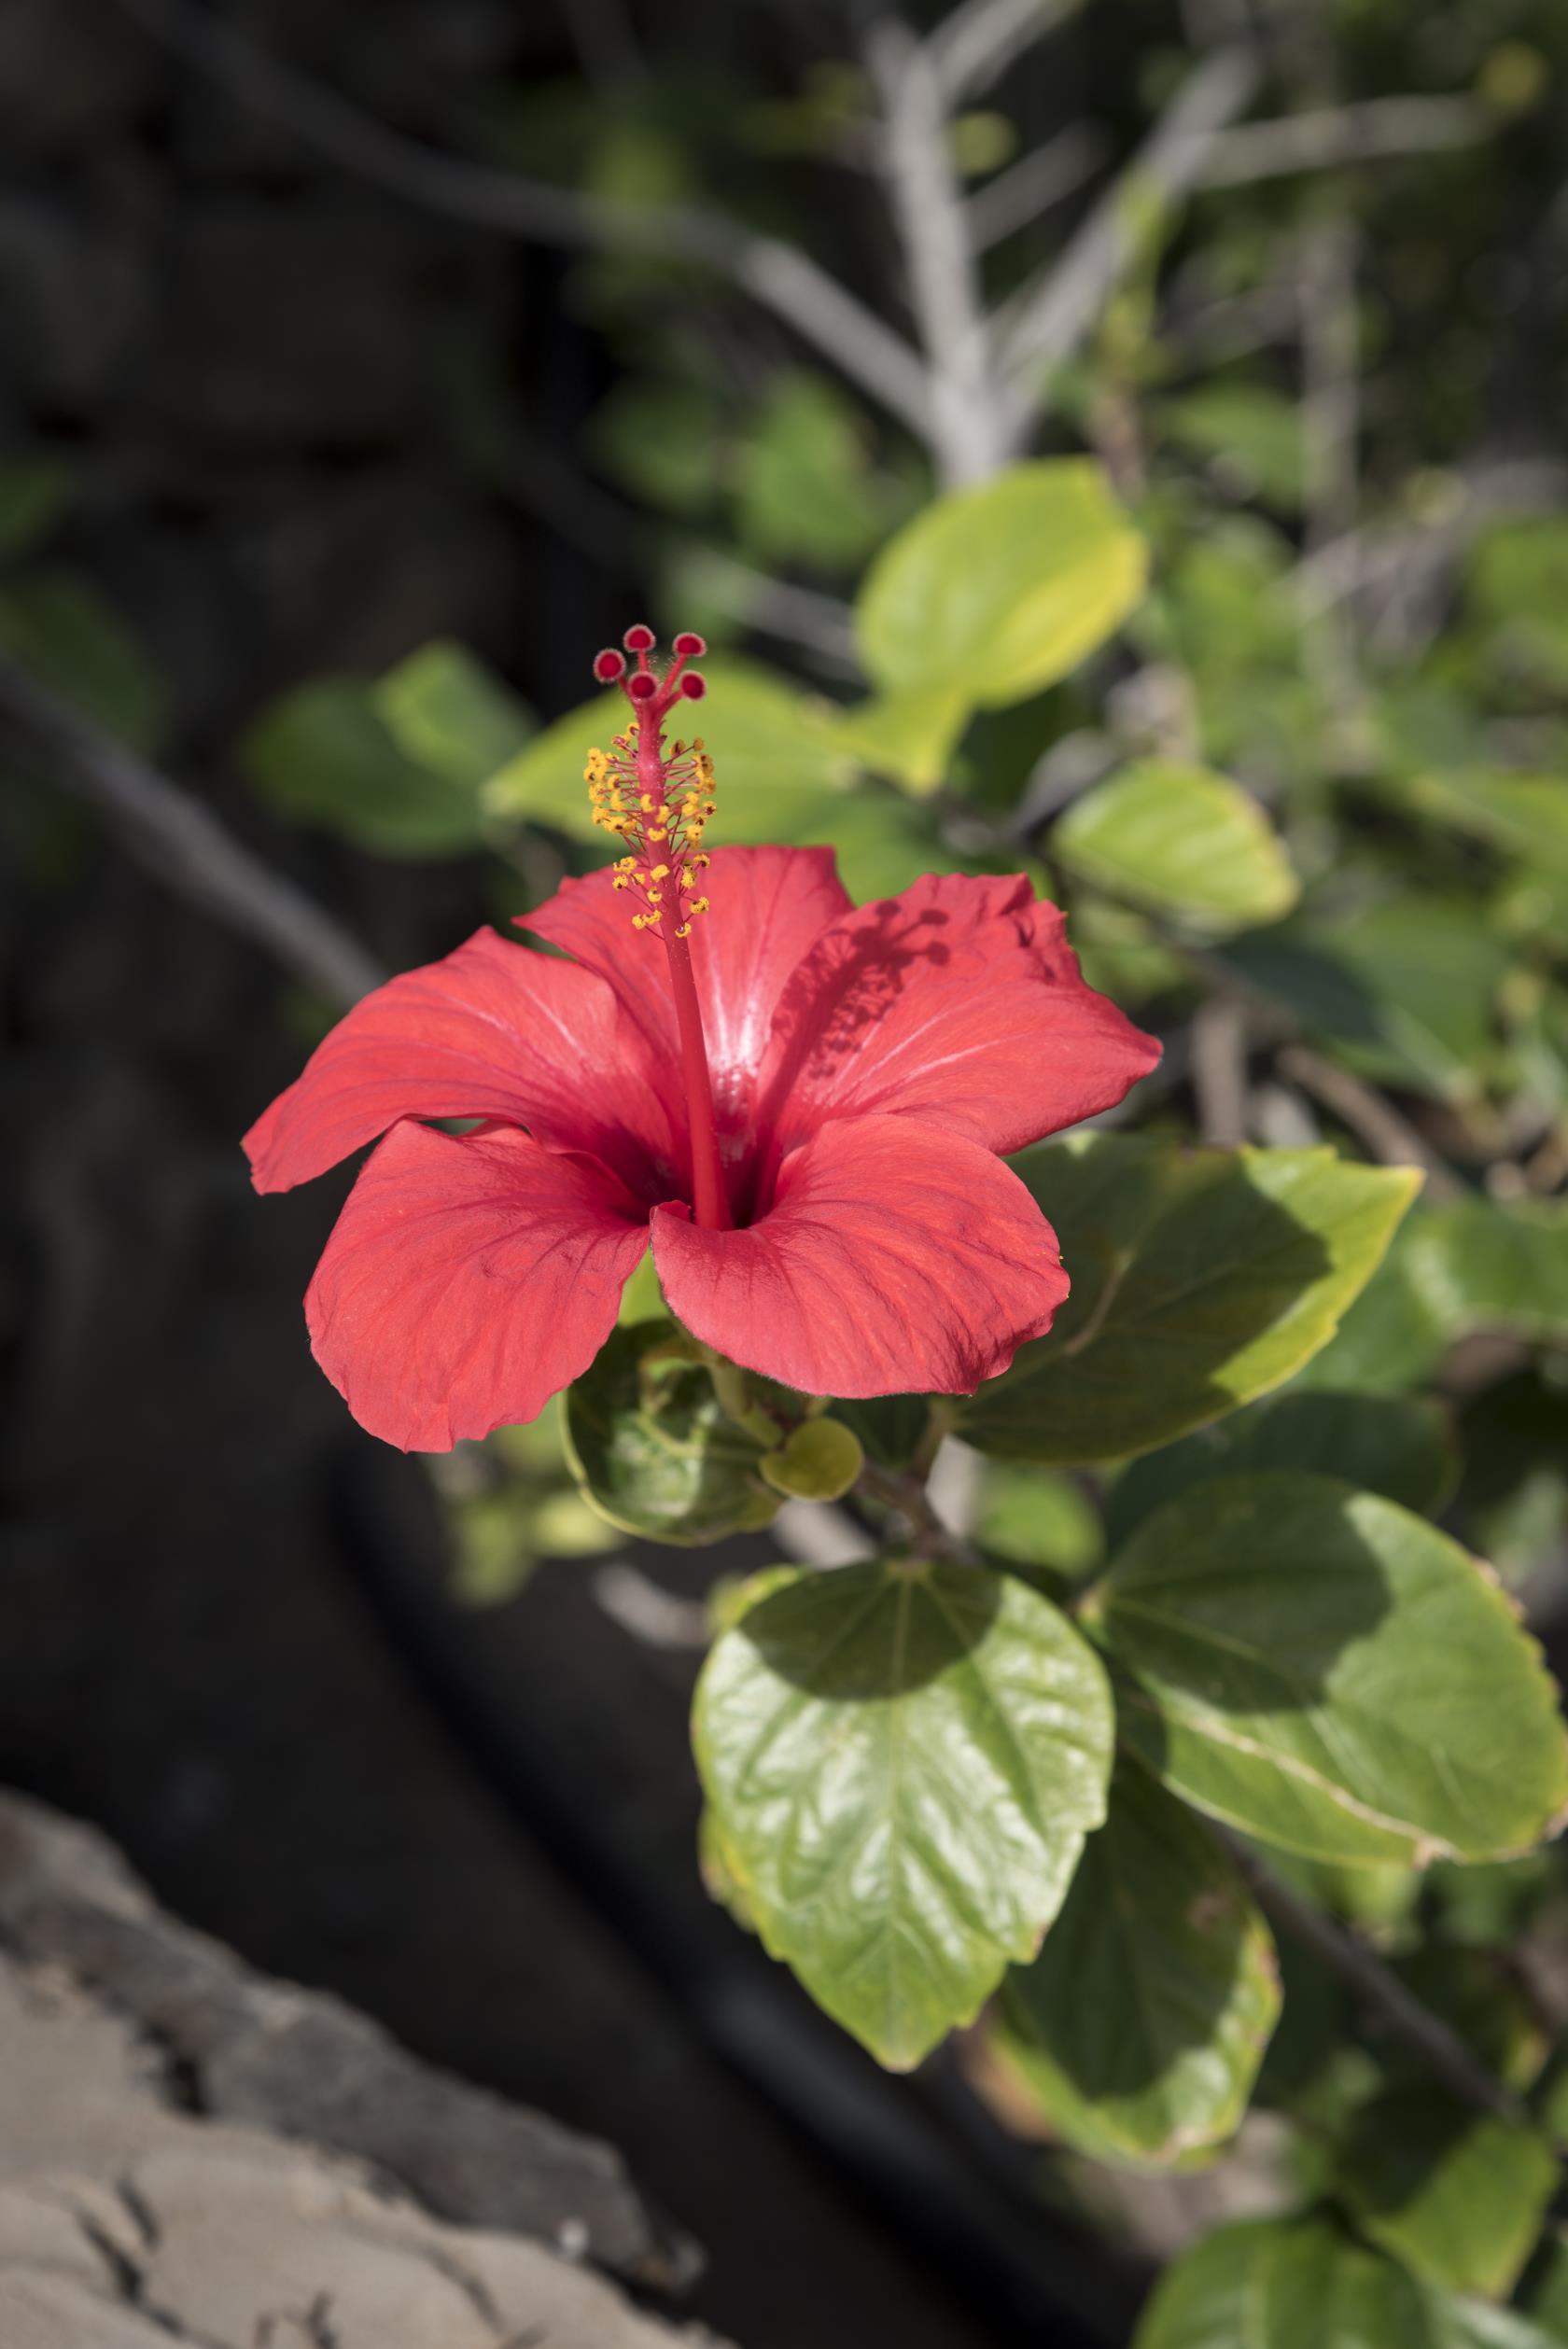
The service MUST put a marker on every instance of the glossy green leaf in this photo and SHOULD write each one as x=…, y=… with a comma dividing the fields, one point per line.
x=63, y=632
x=447, y=712
x=654, y=1450
x=1141, y=2023
x=325, y=755
x=1320, y=1669
x=775, y=750
x=1483, y=1266
x=1458, y=2196
x=1200, y=1278
x=1400, y=1446
x=903, y=1760
x=1307, y=2284
x=1002, y=589
x=1181, y=841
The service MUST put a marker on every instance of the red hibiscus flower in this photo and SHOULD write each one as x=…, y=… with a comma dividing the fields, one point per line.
x=801, y=1104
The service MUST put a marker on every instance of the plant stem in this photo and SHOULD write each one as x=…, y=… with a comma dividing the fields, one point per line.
x=1377, y=1987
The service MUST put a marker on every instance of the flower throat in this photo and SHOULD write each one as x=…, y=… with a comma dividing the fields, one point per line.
x=658, y=806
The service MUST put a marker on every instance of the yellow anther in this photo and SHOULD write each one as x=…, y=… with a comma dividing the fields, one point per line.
x=683, y=930
x=621, y=882
x=655, y=897
x=658, y=835
x=698, y=906
x=625, y=864
x=660, y=873
x=700, y=864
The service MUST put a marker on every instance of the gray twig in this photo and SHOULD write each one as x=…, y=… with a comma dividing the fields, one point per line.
x=1377, y=1987
x=1370, y=1117
x=795, y=288
x=933, y=231
x=1329, y=135
x=1045, y=176
x=1049, y=318
x=980, y=40
x=1219, y=1070
x=184, y=846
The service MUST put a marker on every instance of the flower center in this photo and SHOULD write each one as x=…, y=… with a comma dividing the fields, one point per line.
x=658, y=806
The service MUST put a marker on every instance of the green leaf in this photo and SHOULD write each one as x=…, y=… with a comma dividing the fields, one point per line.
x=1253, y=435
x=1404, y=993
x=651, y=1448
x=1318, y=1667
x=1483, y=1266
x=325, y=755
x=1391, y=1339
x=1518, y=585
x=775, y=750
x=1141, y=2023
x=1181, y=841
x=1458, y=2196
x=1307, y=2283
x=1200, y=1278
x=804, y=486
x=34, y=491
x=909, y=736
x=1400, y=1446
x=1526, y=815
x=1037, y=1516
x=903, y=1760
x=446, y=711
x=1001, y=590
x=63, y=634
x=1513, y=1502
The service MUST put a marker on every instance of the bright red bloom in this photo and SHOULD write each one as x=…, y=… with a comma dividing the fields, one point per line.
x=807, y=1128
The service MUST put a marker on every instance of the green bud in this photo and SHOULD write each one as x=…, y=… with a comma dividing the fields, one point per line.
x=821, y=1461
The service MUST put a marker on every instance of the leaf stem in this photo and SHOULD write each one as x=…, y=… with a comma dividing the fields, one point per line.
x=1377, y=1987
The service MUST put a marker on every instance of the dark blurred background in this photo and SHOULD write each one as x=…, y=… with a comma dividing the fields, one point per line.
x=296, y=426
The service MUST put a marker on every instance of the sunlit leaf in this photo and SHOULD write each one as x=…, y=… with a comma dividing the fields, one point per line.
x=1457, y=2195
x=999, y=591
x=902, y=1761
x=446, y=711
x=1318, y=1666
x=1182, y=841
x=1200, y=1278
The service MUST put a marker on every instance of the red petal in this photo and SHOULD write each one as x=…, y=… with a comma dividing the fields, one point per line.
x=491, y=1031
x=895, y=1259
x=960, y=1000
x=467, y=1279
x=769, y=907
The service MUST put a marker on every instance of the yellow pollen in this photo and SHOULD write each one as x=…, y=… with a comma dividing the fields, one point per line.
x=683, y=930
x=660, y=873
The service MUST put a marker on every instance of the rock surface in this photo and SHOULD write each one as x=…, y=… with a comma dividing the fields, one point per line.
x=152, y=2181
